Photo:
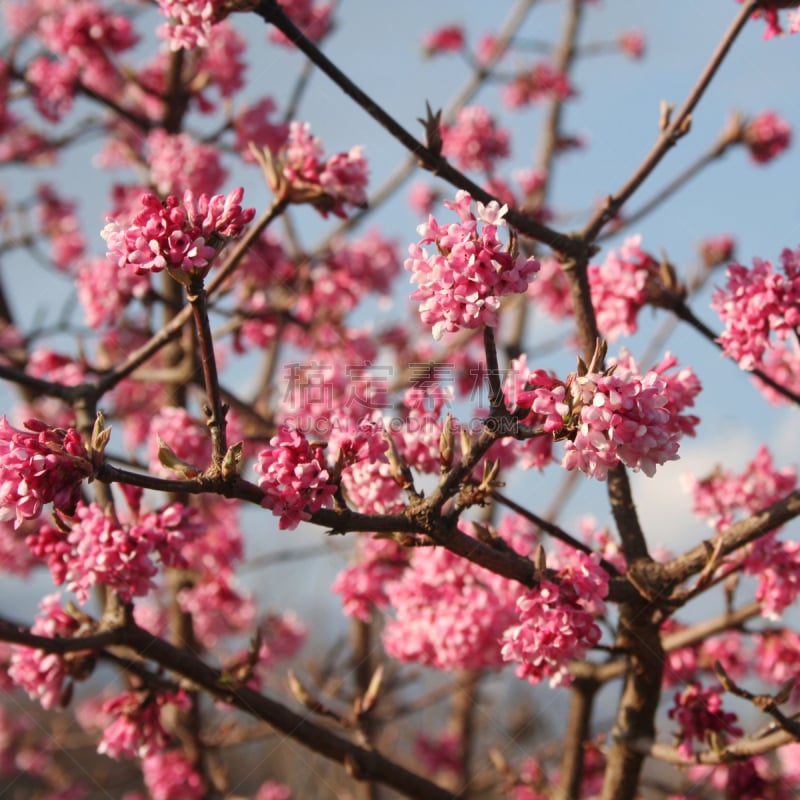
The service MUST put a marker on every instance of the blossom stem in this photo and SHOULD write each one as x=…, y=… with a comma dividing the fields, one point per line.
x=553, y=530
x=216, y=409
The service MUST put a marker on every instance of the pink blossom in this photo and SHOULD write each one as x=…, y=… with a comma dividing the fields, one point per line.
x=769, y=12
x=104, y=291
x=777, y=565
x=766, y=136
x=724, y=496
x=38, y=466
x=363, y=585
x=282, y=636
x=221, y=65
x=252, y=126
x=448, y=613
x=776, y=656
x=782, y=364
x=632, y=43
x=43, y=675
x=60, y=224
x=421, y=198
x=178, y=164
x=52, y=366
x=630, y=418
x=84, y=33
x=475, y=141
x=169, y=235
x=218, y=607
x=371, y=487
x=302, y=176
x=53, y=84
x=135, y=727
x=168, y=775
x=15, y=557
x=461, y=285
x=699, y=711
x=294, y=478
x=743, y=780
x=488, y=50
x=540, y=81
x=439, y=753
x=99, y=550
x=756, y=304
x=626, y=280
x=191, y=21
x=186, y=437
x=272, y=790
x=556, y=622
x=447, y=39
x=717, y=250
x=313, y=20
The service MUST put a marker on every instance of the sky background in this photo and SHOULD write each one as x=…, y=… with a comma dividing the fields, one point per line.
x=377, y=43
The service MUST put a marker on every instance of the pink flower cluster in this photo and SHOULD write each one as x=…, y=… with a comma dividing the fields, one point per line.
x=171, y=235
x=169, y=775
x=475, y=141
x=626, y=280
x=629, y=418
x=716, y=250
x=699, y=712
x=618, y=416
x=769, y=11
x=460, y=286
x=272, y=790
x=328, y=184
x=38, y=466
x=777, y=566
x=447, y=39
x=98, y=550
x=721, y=497
x=105, y=291
x=448, y=612
x=83, y=33
x=136, y=728
x=191, y=21
x=44, y=675
x=363, y=585
x=53, y=86
x=313, y=20
x=252, y=125
x=537, y=83
x=178, y=162
x=766, y=136
x=60, y=224
x=756, y=303
x=556, y=621
x=294, y=477
x=551, y=290
x=632, y=43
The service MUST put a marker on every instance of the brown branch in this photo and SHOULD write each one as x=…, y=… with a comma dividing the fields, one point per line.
x=215, y=409
x=737, y=535
x=271, y=11
x=682, y=311
x=677, y=127
x=582, y=696
x=553, y=530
